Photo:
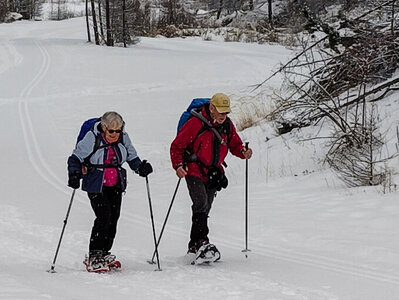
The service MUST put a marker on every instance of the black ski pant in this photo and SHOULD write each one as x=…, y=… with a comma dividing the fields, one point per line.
x=106, y=207
x=202, y=199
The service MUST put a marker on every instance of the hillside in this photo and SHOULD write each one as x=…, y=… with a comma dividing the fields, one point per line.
x=311, y=237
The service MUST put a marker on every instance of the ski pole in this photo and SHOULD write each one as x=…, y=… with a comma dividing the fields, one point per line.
x=164, y=223
x=246, y=204
x=62, y=234
x=152, y=222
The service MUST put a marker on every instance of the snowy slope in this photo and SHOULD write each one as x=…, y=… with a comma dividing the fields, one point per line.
x=311, y=238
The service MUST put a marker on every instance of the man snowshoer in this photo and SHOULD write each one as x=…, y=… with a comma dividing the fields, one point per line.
x=197, y=153
x=97, y=159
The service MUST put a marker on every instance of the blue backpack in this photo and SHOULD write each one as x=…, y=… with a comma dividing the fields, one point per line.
x=196, y=104
x=194, y=109
x=86, y=127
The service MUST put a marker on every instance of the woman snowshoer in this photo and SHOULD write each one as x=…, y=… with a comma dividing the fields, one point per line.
x=98, y=159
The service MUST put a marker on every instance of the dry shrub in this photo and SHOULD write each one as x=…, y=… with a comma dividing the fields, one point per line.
x=249, y=111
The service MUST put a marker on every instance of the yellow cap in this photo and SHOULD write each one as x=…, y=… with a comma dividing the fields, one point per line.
x=221, y=102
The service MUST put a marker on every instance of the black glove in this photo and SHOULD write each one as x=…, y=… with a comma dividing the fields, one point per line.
x=74, y=180
x=145, y=168
x=224, y=182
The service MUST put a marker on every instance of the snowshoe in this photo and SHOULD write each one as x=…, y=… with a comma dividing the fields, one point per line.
x=95, y=264
x=189, y=258
x=206, y=254
x=111, y=261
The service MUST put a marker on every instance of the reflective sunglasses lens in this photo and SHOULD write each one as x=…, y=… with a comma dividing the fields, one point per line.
x=112, y=130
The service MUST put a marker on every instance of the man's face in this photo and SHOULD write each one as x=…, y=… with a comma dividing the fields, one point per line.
x=217, y=116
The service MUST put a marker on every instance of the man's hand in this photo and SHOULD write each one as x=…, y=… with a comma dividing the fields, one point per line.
x=247, y=153
x=181, y=171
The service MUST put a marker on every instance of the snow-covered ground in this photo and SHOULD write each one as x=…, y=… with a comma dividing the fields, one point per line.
x=311, y=238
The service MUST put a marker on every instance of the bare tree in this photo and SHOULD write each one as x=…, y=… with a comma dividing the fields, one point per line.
x=100, y=20
x=95, y=28
x=221, y=4
x=124, y=29
x=357, y=157
x=29, y=9
x=321, y=83
x=270, y=12
x=87, y=20
x=110, y=40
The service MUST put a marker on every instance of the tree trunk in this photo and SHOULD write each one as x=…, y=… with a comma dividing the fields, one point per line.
x=124, y=22
x=100, y=19
x=113, y=20
x=93, y=11
x=220, y=9
x=108, y=24
x=87, y=21
x=270, y=11
x=59, y=11
x=393, y=19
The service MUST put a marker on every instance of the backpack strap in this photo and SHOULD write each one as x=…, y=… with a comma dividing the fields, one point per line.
x=208, y=125
x=97, y=142
x=192, y=157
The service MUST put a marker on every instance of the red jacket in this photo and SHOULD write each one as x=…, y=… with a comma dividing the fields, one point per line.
x=208, y=149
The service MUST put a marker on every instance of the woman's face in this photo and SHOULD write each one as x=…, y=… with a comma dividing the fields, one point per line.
x=112, y=132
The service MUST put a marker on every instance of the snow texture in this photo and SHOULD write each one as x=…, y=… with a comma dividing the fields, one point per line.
x=310, y=237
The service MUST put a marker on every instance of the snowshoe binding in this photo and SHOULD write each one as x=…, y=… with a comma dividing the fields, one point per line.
x=111, y=261
x=207, y=253
x=98, y=262
x=95, y=263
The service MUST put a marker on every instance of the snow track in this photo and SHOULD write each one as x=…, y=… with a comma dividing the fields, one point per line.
x=32, y=146
x=46, y=62
x=317, y=261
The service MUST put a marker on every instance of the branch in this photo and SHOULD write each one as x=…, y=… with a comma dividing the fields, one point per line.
x=315, y=44
x=288, y=63
x=373, y=91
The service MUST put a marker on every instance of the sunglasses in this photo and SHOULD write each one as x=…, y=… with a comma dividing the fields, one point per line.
x=113, y=130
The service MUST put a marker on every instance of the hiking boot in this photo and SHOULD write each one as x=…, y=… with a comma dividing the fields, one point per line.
x=95, y=262
x=192, y=249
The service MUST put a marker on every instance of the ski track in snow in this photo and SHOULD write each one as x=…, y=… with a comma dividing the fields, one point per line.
x=39, y=164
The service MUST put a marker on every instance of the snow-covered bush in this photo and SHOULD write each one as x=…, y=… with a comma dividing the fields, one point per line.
x=12, y=16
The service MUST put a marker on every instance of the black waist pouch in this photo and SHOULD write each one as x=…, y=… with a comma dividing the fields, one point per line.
x=216, y=179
